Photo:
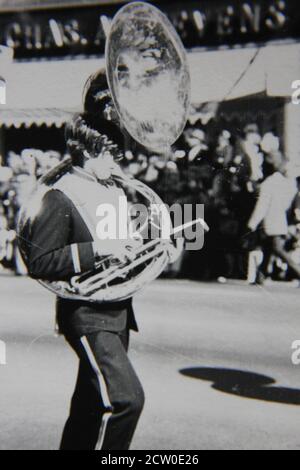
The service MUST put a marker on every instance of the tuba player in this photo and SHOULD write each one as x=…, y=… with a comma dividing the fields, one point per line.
x=62, y=243
x=108, y=397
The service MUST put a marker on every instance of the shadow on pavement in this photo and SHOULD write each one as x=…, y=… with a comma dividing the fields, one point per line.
x=245, y=384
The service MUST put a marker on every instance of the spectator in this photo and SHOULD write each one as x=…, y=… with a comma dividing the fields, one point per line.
x=277, y=195
x=251, y=147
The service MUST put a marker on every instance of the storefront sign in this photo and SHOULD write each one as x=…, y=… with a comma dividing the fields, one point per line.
x=73, y=31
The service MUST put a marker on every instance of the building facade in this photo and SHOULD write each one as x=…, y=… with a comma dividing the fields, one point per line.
x=236, y=50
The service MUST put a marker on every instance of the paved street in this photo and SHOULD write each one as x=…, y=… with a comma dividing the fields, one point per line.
x=215, y=361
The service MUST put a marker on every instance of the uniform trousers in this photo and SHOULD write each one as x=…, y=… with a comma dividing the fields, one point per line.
x=108, y=398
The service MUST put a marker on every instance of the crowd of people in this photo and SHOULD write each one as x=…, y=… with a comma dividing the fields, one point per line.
x=219, y=169
x=226, y=173
x=18, y=178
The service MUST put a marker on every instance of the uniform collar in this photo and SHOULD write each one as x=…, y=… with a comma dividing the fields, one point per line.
x=81, y=173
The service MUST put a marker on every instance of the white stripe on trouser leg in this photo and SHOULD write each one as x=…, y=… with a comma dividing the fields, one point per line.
x=103, y=390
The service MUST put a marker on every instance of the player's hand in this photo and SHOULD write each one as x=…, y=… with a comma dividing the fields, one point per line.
x=122, y=251
x=126, y=250
x=175, y=249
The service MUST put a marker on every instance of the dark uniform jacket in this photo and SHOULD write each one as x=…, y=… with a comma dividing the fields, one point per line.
x=59, y=247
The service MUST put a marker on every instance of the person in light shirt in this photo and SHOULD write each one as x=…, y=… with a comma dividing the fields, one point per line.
x=277, y=195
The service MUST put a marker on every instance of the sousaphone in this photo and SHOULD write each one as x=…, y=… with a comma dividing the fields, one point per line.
x=149, y=81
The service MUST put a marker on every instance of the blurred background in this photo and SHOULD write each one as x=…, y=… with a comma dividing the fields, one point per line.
x=243, y=125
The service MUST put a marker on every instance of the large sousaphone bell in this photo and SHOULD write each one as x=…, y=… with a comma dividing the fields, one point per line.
x=149, y=81
x=149, y=77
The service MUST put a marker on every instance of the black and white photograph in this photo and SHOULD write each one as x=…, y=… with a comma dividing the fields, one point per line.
x=149, y=227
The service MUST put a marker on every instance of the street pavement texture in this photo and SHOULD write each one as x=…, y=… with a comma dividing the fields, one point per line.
x=214, y=360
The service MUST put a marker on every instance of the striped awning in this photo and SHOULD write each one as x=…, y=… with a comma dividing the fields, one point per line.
x=40, y=117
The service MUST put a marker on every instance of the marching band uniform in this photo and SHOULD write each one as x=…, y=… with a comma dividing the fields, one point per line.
x=108, y=397
x=59, y=240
